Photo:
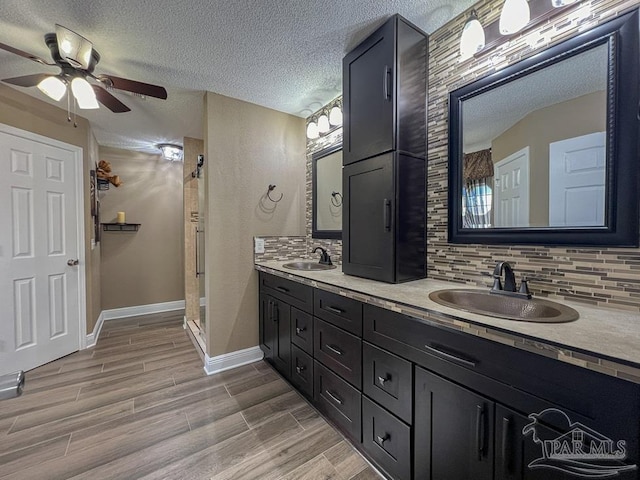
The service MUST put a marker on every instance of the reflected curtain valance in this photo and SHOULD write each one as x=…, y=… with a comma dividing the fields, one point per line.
x=477, y=165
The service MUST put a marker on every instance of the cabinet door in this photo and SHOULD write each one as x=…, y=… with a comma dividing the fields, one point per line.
x=453, y=431
x=515, y=451
x=369, y=96
x=368, y=218
x=282, y=337
x=267, y=326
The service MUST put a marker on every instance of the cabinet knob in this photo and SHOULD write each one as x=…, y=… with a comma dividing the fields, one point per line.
x=300, y=330
x=383, y=380
x=300, y=369
x=381, y=440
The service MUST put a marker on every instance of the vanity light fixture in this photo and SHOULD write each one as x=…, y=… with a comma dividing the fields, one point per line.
x=472, y=40
x=323, y=123
x=171, y=151
x=335, y=116
x=514, y=16
x=312, y=130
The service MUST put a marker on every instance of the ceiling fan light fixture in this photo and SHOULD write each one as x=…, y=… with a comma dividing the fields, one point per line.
x=171, y=151
x=74, y=48
x=84, y=94
x=53, y=87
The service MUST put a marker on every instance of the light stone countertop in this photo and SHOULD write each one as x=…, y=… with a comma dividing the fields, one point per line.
x=604, y=340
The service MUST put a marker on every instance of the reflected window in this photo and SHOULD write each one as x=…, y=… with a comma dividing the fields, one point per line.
x=476, y=204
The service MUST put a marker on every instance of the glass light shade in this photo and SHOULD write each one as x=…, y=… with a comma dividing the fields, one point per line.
x=171, y=152
x=53, y=87
x=312, y=130
x=323, y=124
x=335, y=116
x=84, y=94
x=472, y=39
x=562, y=3
x=514, y=16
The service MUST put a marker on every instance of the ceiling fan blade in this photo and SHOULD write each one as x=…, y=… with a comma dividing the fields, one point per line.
x=27, y=80
x=35, y=58
x=133, y=86
x=109, y=101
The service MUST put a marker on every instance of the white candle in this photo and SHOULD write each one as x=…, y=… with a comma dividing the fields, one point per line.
x=121, y=217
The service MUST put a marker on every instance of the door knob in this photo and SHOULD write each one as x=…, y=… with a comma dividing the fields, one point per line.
x=72, y=263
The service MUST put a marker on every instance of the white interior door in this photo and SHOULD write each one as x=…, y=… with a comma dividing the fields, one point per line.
x=39, y=291
x=511, y=192
x=576, y=181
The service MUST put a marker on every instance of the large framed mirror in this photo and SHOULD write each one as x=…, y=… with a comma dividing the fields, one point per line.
x=327, y=193
x=545, y=151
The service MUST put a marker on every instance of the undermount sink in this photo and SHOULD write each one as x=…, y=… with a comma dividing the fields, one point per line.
x=503, y=306
x=308, y=266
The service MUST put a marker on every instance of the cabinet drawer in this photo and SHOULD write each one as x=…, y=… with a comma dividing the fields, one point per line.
x=294, y=293
x=388, y=379
x=302, y=330
x=341, y=311
x=302, y=371
x=387, y=440
x=339, y=351
x=339, y=401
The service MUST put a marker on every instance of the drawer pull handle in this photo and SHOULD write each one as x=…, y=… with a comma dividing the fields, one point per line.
x=334, y=349
x=300, y=369
x=381, y=440
x=283, y=289
x=299, y=330
x=337, y=310
x=450, y=356
x=383, y=380
x=505, y=445
x=334, y=397
x=480, y=431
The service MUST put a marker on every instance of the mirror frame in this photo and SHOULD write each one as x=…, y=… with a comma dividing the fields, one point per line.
x=623, y=119
x=315, y=233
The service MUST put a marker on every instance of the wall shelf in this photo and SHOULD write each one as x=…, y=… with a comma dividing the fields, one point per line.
x=120, y=227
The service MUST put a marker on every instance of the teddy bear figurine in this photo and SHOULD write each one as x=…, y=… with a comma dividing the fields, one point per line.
x=103, y=172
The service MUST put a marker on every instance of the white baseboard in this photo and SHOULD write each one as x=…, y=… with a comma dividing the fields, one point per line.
x=134, y=311
x=92, y=338
x=227, y=361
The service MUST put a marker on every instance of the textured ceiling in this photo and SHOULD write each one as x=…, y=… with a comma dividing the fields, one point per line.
x=282, y=54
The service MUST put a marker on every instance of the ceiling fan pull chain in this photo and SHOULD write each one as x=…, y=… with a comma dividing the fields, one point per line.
x=75, y=124
x=68, y=107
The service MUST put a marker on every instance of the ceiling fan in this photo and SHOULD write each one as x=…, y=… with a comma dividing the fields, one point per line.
x=77, y=59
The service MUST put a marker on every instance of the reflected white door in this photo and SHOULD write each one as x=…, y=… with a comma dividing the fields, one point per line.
x=39, y=291
x=511, y=192
x=576, y=181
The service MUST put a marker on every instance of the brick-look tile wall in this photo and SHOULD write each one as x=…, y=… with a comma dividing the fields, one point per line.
x=607, y=277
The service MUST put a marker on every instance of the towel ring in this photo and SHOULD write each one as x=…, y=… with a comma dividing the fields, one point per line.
x=334, y=199
x=270, y=189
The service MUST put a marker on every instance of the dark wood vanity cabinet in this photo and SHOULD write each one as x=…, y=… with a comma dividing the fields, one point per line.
x=384, y=93
x=383, y=218
x=426, y=402
x=384, y=152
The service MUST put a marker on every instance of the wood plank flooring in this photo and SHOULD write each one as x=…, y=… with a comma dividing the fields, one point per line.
x=139, y=405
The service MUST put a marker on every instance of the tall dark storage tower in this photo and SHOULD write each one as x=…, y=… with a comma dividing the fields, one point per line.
x=384, y=154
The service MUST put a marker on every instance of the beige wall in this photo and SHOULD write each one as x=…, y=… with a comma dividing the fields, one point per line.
x=247, y=147
x=573, y=118
x=192, y=148
x=28, y=113
x=147, y=266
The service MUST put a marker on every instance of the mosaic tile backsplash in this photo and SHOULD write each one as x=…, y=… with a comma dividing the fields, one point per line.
x=605, y=277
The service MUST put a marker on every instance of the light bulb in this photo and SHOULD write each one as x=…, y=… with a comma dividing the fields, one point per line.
x=323, y=124
x=514, y=16
x=53, y=87
x=312, y=130
x=472, y=39
x=84, y=94
x=335, y=116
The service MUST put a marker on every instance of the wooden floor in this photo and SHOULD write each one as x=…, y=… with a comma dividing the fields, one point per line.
x=138, y=405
